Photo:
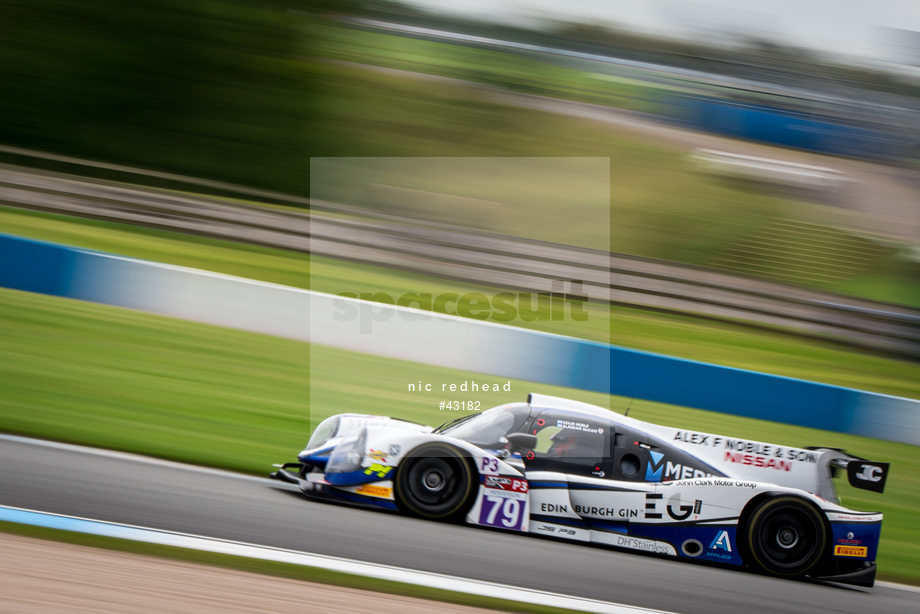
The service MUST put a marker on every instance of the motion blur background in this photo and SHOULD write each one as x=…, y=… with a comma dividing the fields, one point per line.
x=764, y=190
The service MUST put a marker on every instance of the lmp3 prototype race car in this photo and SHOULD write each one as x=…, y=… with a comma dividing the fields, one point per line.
x=574, y=471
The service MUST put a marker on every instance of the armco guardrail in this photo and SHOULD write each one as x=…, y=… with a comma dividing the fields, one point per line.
x=466, y=255
x=481, y=347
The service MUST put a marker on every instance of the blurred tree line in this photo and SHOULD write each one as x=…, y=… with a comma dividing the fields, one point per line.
x=752, y=58
x=211, y=88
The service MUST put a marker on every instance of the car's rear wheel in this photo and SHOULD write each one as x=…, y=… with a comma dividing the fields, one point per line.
x=434, y=481
x=785, y=536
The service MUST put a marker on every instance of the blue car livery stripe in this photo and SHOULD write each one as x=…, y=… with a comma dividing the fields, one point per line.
x=546, y=484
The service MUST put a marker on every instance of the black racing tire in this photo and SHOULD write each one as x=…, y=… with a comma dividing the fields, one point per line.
x=785, y=536
x=434, y=481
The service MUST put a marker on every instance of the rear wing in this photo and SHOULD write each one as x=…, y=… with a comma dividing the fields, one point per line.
x=861, y=473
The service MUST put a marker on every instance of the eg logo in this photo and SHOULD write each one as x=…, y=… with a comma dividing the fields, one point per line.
x=721, y=542
x=870, y=473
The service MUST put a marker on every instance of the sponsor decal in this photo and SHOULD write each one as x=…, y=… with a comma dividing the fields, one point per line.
x=870, y=473
x=651, y=506
x=867, y=518
x=854, y=551
x=755, y=460
x=694, y=438
x=549, y=529
x=350, y=425
x=395, y=449
x=677, y=472
x=378, y=455
x=765, y=449
x=381, y=470
x=654, y=468
x=660, y=470
x=605, y=512
x=868, y=476
x=374, y=491
x=683, y=511
x=646, y=545
x=720, y=542
x=506, y=494
x=554, y=508
x=503, y=483
x=716, y=482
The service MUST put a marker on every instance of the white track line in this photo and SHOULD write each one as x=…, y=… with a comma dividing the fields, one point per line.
x=265, y=553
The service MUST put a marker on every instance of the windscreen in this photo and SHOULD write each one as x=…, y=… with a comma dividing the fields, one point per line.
x=487, y=429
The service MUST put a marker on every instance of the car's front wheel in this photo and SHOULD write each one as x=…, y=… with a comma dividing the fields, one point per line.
x=436, y=482
x=786, y=536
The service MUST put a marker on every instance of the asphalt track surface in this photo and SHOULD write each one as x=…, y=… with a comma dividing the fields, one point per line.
x=165, y=496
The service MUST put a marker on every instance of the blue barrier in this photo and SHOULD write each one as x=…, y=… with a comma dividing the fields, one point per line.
x=35, y=266
x=481, y=347
x=781, y=127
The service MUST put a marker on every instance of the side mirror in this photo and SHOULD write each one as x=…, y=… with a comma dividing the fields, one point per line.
x=522, y=441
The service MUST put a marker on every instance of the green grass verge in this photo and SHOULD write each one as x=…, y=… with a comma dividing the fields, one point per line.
x=685, y=337
x=270, y=568
x=113, y=378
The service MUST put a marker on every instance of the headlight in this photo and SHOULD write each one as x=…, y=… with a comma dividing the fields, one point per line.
x=348, y=455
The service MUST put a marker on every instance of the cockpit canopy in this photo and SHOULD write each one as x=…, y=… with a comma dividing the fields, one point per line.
x=487, y=429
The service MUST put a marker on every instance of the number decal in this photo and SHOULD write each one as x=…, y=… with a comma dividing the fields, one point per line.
x=511, y=511
x=503, y=509
x=496, y=505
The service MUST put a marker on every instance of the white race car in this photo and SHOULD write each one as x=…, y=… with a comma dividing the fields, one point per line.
x=575, y=471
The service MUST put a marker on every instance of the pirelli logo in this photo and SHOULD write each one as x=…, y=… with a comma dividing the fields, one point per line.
x=857, y=551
